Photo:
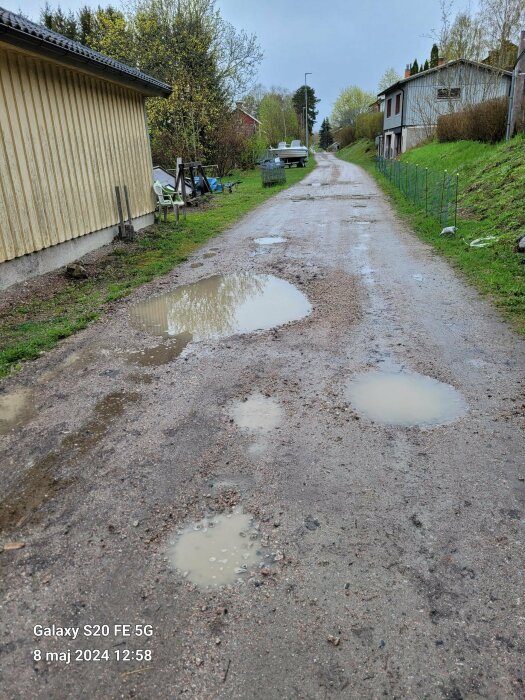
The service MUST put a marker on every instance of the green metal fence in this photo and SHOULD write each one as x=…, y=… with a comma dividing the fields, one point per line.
x=435, y=192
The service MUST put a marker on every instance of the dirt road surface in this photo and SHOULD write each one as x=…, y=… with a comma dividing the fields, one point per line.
x=393, y=555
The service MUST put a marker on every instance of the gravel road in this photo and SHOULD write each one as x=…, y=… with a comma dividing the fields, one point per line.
x=393, y=555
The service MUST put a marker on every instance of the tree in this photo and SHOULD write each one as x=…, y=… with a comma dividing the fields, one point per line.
x=502, y=20
x=298, y=101
x=325, y=134
x=434, y=56
x=351, y=102
x=389, y=77
x=414, y=68
x=465, y=38
x=188, y=45
x=426, y=66
x=58, y=21
x=277, y=116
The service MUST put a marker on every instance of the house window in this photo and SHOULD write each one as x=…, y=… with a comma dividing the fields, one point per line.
x=449, y=93
x=389, y=107
x=398, y=103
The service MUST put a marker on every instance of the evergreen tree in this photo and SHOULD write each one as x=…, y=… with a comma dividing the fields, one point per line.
x=434, y=56
x=298, y=101
x=414, y=68
x=325, y=134
x=426, y=66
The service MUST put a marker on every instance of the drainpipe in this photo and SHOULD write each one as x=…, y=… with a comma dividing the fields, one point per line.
x=402, y=114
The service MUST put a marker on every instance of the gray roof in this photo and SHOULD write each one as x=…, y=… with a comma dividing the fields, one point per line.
x=476, y=64
x=19, y=31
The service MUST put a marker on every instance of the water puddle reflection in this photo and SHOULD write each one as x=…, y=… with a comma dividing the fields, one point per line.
x=405, y=399
x=258, y=413
x=270, y=240
x=16, y=409
x=219, y=306
x=218, y=550
x=196, y=264
x=211, y=254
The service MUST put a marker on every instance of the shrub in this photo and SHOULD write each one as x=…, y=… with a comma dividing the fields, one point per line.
x=488, y=120
x=344, y=136
x=485, y=122
x=452, y=127
x=369, y=125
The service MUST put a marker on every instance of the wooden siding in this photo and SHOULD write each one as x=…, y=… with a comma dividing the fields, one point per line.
x=66, y=139
x=475, y=84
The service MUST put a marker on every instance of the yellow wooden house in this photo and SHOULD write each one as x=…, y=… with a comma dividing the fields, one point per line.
x=72, y=128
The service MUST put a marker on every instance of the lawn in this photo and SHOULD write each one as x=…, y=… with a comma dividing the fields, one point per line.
x=491, y=186
x=36, y=325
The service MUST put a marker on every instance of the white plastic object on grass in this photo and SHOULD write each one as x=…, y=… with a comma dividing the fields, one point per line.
x=483, y=242
x=448, y=231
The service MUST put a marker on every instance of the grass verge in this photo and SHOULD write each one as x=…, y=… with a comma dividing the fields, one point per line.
x=36, y=324
x=490, y=201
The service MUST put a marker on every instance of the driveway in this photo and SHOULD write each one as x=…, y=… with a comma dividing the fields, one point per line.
x=389, y=554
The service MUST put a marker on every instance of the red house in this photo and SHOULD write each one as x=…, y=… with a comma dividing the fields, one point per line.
x=248, y=123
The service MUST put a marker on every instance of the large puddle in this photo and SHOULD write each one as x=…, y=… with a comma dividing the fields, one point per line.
x=258, y=413
x=400, y=398
x=218, y=550
x=15, y=410
x=270, y=240
x=220, y=306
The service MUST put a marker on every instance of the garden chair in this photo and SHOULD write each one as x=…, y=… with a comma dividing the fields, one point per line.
x=167, y=198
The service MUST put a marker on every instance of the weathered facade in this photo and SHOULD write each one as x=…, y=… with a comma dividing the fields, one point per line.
x=72, y=127
x=413, y=105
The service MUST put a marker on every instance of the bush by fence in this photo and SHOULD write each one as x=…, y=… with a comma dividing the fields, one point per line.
x=484, y=122
x=435, y=192
x=369, y=125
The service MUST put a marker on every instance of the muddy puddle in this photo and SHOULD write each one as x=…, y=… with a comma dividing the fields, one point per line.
x=159, y=355
x=40, y=483
x=257, y=413
x=211, y=254
x=270, y=240
x=220, y=306
x=16, y=409
x=218, y=550
x=405, y=399
x=196, y=264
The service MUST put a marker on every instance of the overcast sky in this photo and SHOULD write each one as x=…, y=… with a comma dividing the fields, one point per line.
x=341, y=42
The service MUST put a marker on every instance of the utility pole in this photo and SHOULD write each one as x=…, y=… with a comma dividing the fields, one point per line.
x=517, y=89
x=306, y=109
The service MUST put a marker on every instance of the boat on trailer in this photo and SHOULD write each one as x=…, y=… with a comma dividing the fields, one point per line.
x=295, y=153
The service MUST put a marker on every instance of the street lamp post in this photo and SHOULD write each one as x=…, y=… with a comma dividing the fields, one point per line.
x=306, y=109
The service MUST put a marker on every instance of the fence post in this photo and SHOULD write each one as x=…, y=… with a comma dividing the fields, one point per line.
x=442, y=194
x=426, y=191
x=456, y=207
x=415, y=189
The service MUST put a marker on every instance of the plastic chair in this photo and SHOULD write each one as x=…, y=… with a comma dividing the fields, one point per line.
x=166, y=199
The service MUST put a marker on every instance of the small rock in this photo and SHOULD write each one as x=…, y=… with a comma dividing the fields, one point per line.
x=198, y=661
x=311, y=523
x=135, y=523
x=217, y=640
x=415, y=520
x=76, y=271
x=335, y=641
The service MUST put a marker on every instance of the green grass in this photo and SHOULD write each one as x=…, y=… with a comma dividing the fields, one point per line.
x=491, y=186
x=31, y=328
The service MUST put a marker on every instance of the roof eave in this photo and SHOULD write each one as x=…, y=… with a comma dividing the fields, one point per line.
x=29, y=42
